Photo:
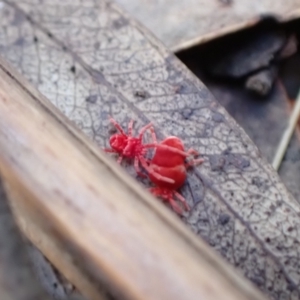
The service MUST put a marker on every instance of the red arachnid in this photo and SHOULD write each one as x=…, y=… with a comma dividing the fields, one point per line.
x=171, y=164
x=128, y=146
x=167, y=168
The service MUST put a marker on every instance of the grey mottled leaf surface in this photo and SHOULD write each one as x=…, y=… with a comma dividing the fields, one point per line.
x=91, y=60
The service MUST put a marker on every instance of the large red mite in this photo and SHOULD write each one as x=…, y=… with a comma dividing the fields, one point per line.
x=170, y=164
x=132, y=147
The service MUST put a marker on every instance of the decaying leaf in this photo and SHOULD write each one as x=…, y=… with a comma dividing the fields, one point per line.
x=259, y=117
x=91, y=60
x=182, y=24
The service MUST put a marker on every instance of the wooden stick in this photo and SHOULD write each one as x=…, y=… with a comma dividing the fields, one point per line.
x=52, y=249
x=286, y=137
x=79, y=202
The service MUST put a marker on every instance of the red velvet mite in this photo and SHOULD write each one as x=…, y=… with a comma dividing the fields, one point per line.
x=171, y=164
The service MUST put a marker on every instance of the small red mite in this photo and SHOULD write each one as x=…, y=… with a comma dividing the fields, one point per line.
x=132, y=147
x=171, y=164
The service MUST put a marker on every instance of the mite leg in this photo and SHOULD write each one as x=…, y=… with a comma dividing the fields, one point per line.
x=152, y=172
x=169, y=148
x=174, y=150
x=109, y=150
x=181, y=198
x=194, y=162
x=175, y=206
x=153, y=135
x=130, y=127
x=143, y=129
x=117, y=125
x=193, y=152
x=153, y=191
x=166, y=195
x=120, y=159
x=137, y=168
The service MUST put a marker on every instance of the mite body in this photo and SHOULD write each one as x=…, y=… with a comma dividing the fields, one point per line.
x=171, y=164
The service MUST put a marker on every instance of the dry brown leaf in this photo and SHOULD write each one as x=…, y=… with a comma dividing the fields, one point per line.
x=92, y=60
x=182, y=24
